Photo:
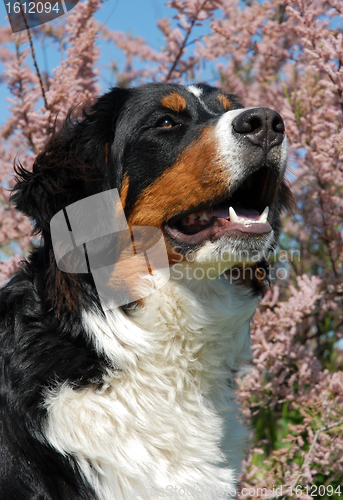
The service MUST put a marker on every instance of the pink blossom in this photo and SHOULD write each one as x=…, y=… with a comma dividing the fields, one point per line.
x=283, y=55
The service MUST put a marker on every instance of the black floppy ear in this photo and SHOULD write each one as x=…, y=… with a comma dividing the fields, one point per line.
x=73, y=165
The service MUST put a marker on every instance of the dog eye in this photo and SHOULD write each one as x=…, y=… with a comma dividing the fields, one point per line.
x=166, y=123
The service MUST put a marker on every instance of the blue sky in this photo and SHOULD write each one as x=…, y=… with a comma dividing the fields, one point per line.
x=139, y=17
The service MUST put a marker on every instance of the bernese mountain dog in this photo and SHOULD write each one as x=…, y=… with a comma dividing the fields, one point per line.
x=134, y=398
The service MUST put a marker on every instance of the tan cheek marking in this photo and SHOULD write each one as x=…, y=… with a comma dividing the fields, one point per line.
x=123, y=248
x=126, y=277
x=175, y=102
x=195, y=177
x=130, y=265
x=124, y=190
x=225, y=102
x=173, y=255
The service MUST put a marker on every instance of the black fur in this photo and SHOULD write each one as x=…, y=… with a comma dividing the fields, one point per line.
x=38, y=349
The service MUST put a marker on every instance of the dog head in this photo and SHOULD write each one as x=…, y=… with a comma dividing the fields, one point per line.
x=190, y=161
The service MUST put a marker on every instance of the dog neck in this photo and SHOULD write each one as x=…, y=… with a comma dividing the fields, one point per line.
x=166, y=415
x=207, y=318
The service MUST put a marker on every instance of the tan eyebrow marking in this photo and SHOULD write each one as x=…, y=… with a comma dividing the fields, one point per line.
x=225, y=102
x=175, y=102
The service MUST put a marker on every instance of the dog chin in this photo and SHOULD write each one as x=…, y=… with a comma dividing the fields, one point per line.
x=232, y=251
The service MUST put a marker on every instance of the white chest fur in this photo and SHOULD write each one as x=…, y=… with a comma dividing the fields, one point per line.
x=165, y=425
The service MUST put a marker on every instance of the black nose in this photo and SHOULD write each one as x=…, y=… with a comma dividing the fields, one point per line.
x=261, y=126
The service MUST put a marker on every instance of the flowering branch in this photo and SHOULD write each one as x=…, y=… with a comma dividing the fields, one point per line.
x=310, y=451
x=34, y=57
x=183, y=45
x=285, y=56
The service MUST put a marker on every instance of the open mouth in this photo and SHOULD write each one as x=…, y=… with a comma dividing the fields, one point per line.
x=245, y=211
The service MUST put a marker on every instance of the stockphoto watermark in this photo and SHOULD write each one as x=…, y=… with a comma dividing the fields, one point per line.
x=196, y=491
x=237, y=265
x=92, y=236
x=203, y=492
x=244, y=272
x=25, y=14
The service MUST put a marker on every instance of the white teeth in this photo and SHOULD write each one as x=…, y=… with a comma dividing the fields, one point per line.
x=233, y=215
x=264, y=215
x=204, y=216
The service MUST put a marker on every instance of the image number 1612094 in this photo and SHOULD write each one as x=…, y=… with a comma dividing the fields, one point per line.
x=25, y=14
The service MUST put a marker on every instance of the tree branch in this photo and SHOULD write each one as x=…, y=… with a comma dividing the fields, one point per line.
x=34, y=58
x=178, y=57
x=310, y=451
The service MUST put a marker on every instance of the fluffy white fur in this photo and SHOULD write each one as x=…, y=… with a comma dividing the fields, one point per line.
x=165, y=423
